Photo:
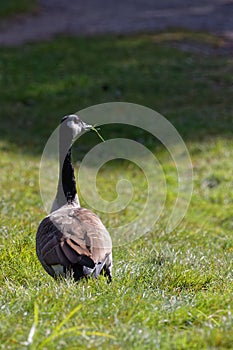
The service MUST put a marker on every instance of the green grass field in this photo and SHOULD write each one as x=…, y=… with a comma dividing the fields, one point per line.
x=170, y=291
x=15, y=7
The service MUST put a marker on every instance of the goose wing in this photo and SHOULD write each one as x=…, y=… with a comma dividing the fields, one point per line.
x=74, y=238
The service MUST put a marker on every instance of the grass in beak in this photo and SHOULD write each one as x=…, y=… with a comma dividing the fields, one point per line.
x=97, y=132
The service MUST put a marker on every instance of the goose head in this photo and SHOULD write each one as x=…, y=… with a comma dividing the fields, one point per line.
x=73, y=126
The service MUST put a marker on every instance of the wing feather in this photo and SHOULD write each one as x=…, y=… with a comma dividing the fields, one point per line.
x=73, y=237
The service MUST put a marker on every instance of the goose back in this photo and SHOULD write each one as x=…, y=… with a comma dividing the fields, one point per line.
x=73, y=239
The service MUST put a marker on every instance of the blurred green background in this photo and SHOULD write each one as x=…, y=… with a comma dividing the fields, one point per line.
x=170, y=291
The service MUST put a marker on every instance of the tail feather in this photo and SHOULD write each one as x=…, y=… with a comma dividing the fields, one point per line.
x=95, y=272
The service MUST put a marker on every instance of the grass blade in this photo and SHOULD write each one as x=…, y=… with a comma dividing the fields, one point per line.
x=56, y=332
x=97, y=132
x=34, y=326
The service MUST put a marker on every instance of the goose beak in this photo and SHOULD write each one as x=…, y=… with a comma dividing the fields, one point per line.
x=87, y=127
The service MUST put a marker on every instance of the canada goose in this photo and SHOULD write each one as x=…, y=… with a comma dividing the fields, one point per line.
x=71, y=239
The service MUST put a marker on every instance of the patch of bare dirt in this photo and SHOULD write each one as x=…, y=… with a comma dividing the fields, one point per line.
x=92, y=17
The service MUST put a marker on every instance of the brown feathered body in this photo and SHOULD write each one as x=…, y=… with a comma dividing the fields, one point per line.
x=74, y=241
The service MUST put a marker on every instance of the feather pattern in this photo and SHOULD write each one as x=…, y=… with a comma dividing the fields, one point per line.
x=72, y=240
x=76, y=239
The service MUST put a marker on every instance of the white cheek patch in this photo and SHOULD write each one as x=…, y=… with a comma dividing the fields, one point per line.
x=75, y=127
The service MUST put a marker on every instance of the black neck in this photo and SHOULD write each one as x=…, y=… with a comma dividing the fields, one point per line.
x=67, y=185
x=68, y=178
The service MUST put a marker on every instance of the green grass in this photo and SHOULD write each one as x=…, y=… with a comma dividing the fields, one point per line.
x=13, y=7
x=170, y=291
